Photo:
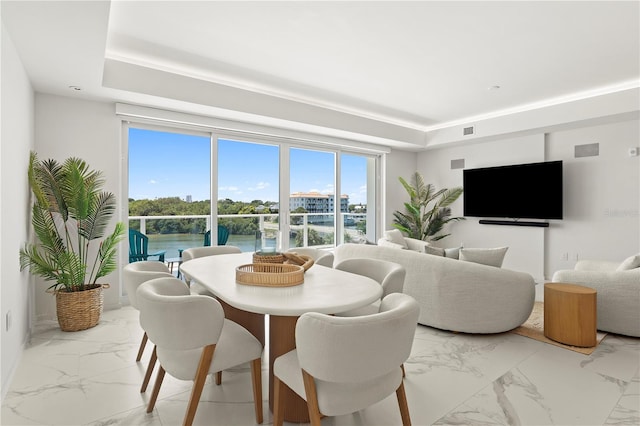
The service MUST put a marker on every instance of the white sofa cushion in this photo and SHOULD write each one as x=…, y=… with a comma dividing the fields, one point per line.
x=453, y=252
x=596, y=265
x=396, y=237
x=386, y=243
x=436, y=251
x=632, y=262
x=484, y=256
x=415, y=245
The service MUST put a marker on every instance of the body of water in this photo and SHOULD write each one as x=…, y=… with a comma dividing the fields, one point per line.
x=171, y=243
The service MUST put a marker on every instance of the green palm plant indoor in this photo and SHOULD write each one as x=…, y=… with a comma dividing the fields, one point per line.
x=427, y=211
x=70, y=216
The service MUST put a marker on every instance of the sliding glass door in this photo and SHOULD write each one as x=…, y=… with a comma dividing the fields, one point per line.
x=312, y=199
x=358, y=183
x=184, y=184
x=248, y=190
x=169, y=187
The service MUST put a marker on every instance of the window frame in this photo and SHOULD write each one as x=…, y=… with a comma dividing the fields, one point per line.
x=284, y=142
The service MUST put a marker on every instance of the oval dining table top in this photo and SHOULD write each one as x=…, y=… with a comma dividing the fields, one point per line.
x=324, y=290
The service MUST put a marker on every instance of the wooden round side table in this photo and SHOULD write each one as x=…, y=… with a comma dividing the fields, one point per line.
x=570, y=314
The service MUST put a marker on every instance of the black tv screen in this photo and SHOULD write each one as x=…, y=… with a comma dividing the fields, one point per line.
x=522, y=191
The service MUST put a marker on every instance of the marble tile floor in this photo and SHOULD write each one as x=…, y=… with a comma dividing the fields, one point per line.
x=91, y=378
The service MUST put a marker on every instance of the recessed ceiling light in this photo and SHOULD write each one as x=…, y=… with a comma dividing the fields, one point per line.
x=77, y=88
x=493, y=87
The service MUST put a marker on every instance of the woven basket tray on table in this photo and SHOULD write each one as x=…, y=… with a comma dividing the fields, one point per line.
x=268, y=258
x=272, y=274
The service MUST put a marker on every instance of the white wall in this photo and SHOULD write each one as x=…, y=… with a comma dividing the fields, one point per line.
x=66, y=127
x=397, y=163
x=600, y=197
x=17, y=139
x=526, y=244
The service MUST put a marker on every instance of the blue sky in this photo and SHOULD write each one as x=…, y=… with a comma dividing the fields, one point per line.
x=164, y=164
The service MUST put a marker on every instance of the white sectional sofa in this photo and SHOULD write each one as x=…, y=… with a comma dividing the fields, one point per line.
x=618, y=292
x=453, y=294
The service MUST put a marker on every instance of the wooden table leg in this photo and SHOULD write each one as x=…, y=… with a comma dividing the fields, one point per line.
x=249, y=320
x=282, y=339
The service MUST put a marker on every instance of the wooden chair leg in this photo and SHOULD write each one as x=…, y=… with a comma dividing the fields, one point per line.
x=312, y=399
x=142, y=345
x=256, y=381
x=198, y=383
x=278, y=402
x=402, y=403
x=219, y=378
x=147, y=375
x=156, y=390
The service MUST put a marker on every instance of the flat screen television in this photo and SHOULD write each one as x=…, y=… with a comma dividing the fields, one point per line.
x=520, y=191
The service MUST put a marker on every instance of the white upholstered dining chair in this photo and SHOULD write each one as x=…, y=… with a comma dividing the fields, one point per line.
x=193, y=340
x=196, y=252
x=388, y=274
x=344, y=364
x=133, y=275
x=320, y=257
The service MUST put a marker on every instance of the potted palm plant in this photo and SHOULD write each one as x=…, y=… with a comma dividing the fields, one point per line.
x=70, y=216
x=427, y=212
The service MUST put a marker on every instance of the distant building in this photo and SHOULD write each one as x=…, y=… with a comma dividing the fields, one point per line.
x=188, y=199
x=359, y=208
x=315, y=202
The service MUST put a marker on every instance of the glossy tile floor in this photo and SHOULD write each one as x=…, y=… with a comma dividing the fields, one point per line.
x=91, y=378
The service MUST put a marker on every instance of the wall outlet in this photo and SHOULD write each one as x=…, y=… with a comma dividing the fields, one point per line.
x=7, y=322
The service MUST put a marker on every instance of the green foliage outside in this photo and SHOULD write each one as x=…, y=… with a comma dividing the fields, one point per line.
x=314, y=238
x=174, y=206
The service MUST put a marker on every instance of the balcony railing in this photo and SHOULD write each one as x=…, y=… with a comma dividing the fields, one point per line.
x=302, y=224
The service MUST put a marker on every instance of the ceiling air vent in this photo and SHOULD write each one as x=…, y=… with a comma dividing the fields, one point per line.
x=587, y=150
x=467, y=131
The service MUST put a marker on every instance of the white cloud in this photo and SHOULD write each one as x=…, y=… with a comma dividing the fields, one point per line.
x=227, y=188
x=259, y=186
x=329, y=189
x=153, y=182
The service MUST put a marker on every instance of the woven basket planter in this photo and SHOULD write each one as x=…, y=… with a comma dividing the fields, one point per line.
x=79, y=310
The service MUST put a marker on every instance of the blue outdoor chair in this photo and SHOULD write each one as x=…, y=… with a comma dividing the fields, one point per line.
x=139, y=247
x=223, y=236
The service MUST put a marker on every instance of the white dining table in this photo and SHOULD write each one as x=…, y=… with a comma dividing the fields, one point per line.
x=324, y=290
